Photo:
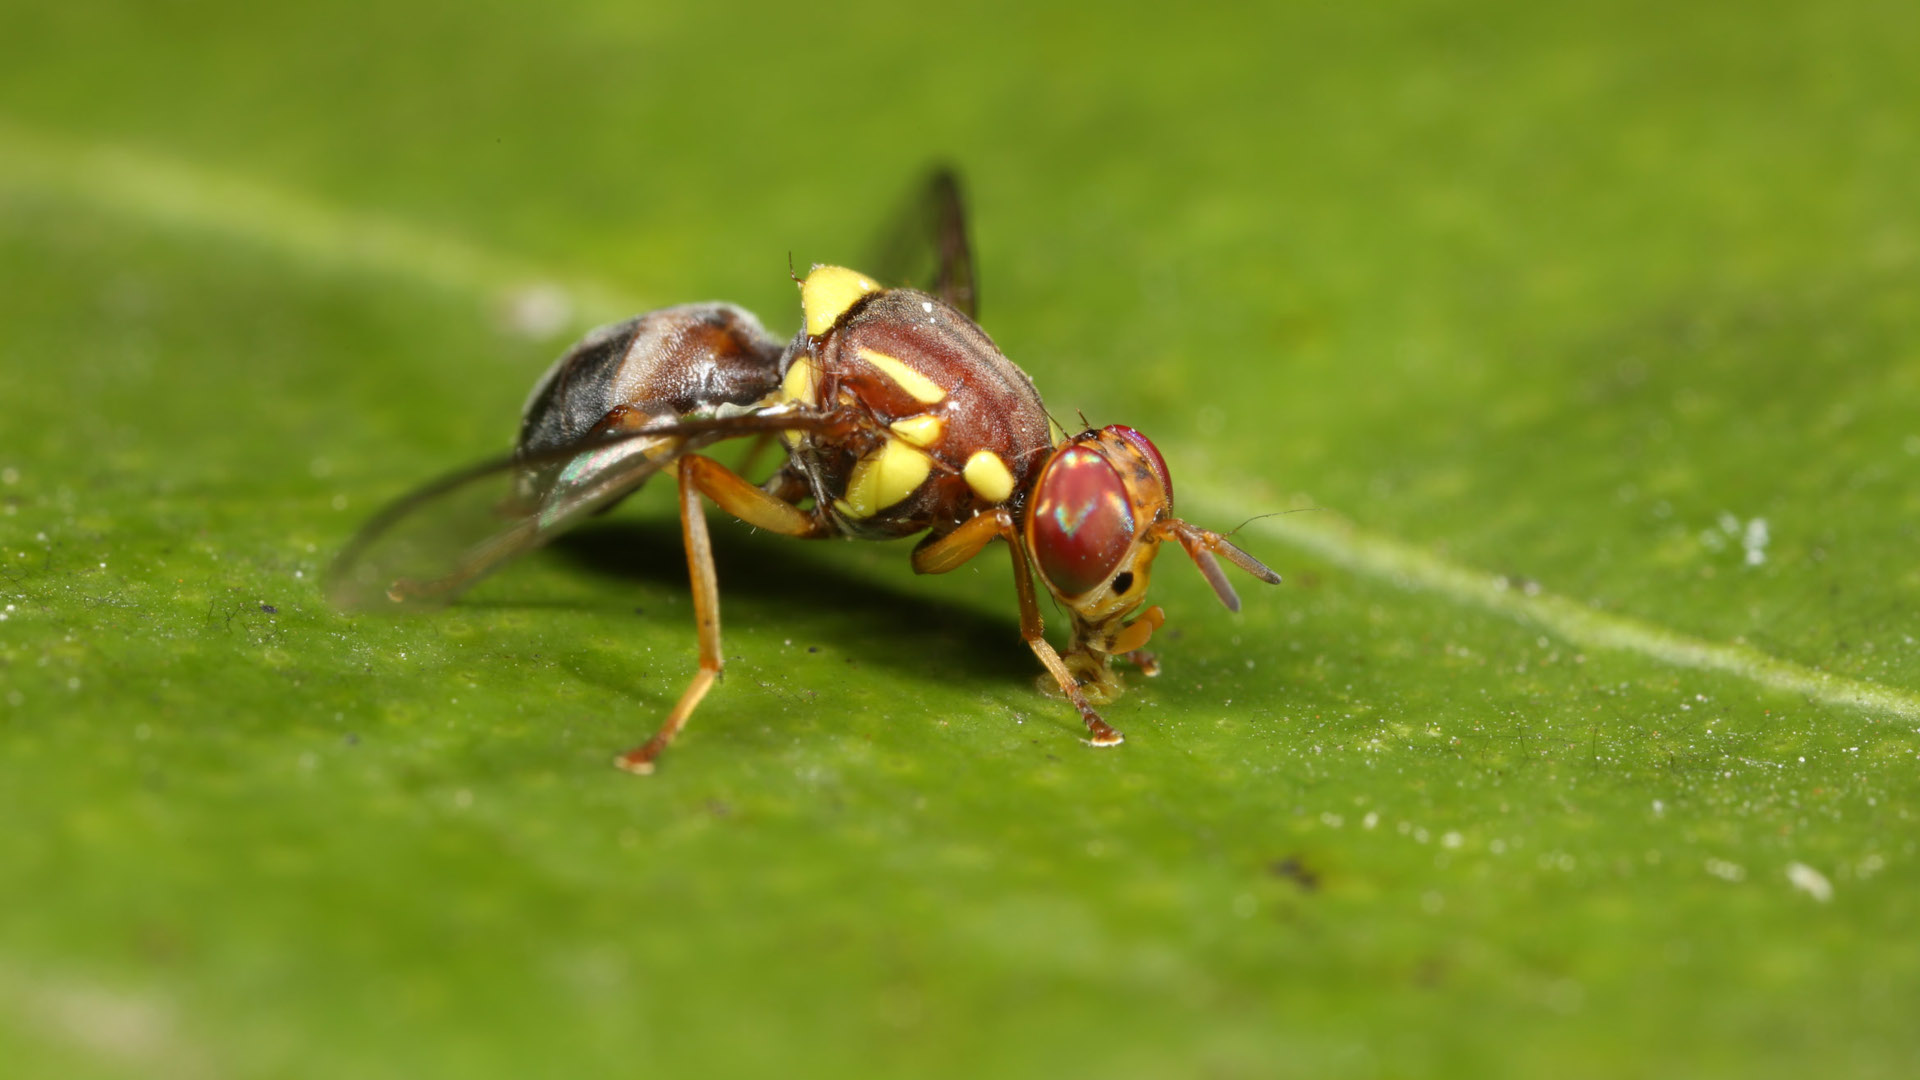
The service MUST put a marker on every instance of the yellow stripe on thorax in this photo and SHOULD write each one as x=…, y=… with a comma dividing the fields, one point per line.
x=922, y=389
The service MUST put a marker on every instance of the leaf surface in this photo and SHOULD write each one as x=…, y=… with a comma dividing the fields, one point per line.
x=1577, y=348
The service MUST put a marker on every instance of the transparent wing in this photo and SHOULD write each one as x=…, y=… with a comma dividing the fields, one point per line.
x=927, y=247
x=425, y=548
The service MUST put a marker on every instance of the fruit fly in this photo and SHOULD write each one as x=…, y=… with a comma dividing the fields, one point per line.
x=898, y=415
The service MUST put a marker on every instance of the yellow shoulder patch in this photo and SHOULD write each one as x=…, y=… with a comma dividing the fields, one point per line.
x=802, y=383
x=827, y=294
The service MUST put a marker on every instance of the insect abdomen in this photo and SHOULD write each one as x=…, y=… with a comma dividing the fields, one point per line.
x=677, y=362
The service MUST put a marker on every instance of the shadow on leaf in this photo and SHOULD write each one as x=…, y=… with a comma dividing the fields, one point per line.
x=866, y=618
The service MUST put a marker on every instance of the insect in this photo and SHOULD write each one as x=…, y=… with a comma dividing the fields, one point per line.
x=898, y=416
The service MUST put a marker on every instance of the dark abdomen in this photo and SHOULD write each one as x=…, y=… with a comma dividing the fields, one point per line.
x=676, y=362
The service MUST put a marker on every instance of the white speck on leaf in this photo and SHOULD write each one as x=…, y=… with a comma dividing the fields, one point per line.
x=1810, y=881
x=1726, y=871
x=1755, y=541
x=538, y=311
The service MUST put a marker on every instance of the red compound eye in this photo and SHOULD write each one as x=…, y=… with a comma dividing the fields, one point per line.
x=1151, y=453
x=1081, y=522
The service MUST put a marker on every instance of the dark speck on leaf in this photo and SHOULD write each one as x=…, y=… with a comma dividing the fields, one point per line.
x=1292, y=869
x=639, y=611
x=269, y=609
x=813, y=648
x=352, y=739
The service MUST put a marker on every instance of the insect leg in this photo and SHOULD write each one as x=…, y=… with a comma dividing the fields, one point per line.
x=730, y=492
x=703, y=475
x=1133, y=637
x=937, y=556
x=706, y=617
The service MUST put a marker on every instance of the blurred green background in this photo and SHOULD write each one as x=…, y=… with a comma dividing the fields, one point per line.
x=1581, y=741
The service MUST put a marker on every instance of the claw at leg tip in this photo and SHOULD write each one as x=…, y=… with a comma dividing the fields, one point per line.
x=636, y=766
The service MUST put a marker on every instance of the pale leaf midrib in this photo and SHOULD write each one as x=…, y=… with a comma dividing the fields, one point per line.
x=163, y=191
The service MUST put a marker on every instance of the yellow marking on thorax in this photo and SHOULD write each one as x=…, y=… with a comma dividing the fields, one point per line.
x=920, y=430
x=883, y=478
x=988, y=476
x=923, y=389
x=827, y=294
x=802, y=382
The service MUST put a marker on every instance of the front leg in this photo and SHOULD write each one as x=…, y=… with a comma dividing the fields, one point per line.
x=939, y=554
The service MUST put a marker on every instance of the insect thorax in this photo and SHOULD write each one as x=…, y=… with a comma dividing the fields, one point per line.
x=944, y=425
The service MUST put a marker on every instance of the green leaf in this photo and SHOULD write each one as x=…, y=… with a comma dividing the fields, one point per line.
x=1573, y=350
